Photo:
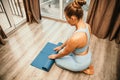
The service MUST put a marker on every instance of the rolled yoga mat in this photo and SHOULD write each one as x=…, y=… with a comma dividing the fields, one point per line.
x=42, y=61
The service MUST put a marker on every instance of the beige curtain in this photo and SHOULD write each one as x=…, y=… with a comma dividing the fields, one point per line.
x=104, y=18
x=32, y=9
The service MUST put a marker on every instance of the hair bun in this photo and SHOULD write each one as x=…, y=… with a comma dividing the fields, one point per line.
x=80, y=2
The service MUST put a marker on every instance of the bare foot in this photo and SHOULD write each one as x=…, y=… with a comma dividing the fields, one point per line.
x=90, y=70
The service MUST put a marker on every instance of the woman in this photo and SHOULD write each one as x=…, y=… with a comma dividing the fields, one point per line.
x=74, y=54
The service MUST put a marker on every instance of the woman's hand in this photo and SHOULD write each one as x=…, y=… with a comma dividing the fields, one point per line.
x=53, y=56
x=58, y=48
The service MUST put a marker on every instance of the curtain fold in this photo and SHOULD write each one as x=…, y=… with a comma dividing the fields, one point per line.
x=32, y=9
x=2, y=35
x=103, y=17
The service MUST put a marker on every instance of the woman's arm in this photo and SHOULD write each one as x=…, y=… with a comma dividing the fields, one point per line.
x=70, y=45
x=60, y=47
x=64, y=44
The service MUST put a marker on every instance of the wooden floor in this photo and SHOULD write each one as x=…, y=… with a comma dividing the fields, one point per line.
x=24, y=45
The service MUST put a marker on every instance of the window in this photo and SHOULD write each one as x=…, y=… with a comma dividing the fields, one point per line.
x=55, y=8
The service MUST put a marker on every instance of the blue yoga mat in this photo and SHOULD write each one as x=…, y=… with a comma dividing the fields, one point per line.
x=42, y=61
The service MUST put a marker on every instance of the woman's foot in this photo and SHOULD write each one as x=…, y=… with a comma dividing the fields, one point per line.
x=90, y=70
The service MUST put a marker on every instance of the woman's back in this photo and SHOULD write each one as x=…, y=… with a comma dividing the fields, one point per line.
x=81, y=38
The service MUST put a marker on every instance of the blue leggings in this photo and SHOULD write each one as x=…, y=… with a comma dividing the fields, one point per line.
x=74, y=63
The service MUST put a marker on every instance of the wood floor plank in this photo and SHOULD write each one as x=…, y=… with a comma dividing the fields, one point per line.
x=25, y=44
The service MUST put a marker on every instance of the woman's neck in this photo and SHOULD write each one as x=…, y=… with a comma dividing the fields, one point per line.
x=79, y=24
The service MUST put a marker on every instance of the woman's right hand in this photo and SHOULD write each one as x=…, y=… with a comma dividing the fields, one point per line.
x=58, y=48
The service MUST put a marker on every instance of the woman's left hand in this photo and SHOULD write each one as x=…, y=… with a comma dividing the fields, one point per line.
x=53, y=56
